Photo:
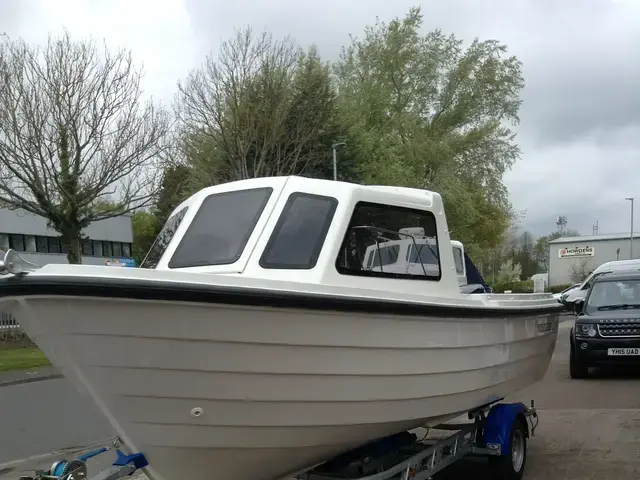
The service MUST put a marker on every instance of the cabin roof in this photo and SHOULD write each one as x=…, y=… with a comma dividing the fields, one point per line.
x=416, y=196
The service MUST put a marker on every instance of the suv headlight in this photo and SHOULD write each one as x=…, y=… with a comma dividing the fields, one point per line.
x=587, y=330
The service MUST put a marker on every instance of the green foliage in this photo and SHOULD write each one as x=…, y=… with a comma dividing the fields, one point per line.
x=559, y=287
x=525, y=286
x=174, y=189
x=261, y=107
x=509, y=272
x=422, y=111
x=145, y=227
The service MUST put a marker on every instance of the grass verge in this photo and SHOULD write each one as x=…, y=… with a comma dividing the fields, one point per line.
x=21, y=357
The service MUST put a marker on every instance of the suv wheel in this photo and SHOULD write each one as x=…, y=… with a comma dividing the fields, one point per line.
x=577, y=368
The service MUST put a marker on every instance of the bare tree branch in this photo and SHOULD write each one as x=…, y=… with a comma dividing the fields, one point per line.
x=252, y=107
x=74, y=129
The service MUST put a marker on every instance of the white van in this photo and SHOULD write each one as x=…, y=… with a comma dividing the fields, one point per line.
x=615, y=266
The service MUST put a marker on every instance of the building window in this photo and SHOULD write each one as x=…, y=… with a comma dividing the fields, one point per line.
x=107, y=250
x=234, y=215
x=411, y=233
x=126, y=250
x=4, y=242
x=299, y=235
x=42, y=245
x=29, y=243
x=97, y=248
x=87, y=249
x=54, y=244
x=17, y=242
x=117, y=249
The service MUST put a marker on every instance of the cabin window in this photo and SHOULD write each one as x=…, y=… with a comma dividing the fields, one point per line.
x=423, y=252
x=383, y=256
x=299, y=235
x=457, y=258
x=221, y=228
x=162, y=240
x=389, y=241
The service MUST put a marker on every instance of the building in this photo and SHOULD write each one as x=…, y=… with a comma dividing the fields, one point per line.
x=110, y=241
x=571, y=258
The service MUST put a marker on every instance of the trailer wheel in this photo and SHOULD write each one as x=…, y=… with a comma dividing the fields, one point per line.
x=510, y=465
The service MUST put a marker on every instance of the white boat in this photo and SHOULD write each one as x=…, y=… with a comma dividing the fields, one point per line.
x=254, y=343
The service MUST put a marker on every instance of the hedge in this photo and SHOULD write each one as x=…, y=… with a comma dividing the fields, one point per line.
x=559, y=287
x=525, y=286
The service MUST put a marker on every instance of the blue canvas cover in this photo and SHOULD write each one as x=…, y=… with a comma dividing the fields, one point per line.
x=473, y=275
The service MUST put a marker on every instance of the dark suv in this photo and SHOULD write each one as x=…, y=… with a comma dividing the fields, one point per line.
x=607, y=327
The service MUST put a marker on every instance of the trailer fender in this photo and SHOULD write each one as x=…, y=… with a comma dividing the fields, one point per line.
x=500, y=419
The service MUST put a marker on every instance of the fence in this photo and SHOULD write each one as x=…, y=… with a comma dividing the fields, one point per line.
x=10, y=329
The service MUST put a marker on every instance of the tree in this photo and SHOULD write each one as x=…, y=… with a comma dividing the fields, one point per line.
x=542, y=247
x=74, y=133
x=524, y=254
x=261, y=107
x=174, y=189
x=145, y=226
x=422, y=111
x=580, y=271
x=509, y=272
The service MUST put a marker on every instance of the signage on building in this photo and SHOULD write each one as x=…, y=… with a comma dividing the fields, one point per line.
x=120, y=262
x=573, y=252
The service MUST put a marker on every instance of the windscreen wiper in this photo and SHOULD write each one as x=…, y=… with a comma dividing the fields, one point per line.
x=622, y=306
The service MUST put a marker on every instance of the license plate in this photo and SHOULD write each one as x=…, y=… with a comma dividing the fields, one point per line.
x=623, y=351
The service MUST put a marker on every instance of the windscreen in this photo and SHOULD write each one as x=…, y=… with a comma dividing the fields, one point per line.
x=221, y=228
x=605, y=295
x=162, y=240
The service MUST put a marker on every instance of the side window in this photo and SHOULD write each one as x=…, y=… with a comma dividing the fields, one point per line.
x=423, y=253
x=385, y=256
x=372, y=225
x=299, y=235
x=161, y=242
x=457, y=258
x=221, y=228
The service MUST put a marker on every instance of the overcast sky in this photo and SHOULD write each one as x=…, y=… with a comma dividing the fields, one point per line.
x=580, y=120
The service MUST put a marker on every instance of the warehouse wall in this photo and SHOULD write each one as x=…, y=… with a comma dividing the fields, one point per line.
x=560, y=269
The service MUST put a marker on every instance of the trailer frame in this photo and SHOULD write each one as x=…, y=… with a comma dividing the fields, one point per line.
x=490, y=433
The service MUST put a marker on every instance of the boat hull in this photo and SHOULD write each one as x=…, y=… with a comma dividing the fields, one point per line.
x=258, y=393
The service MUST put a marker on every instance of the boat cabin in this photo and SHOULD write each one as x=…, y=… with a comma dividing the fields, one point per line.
x=313, y=231
x=459, y=260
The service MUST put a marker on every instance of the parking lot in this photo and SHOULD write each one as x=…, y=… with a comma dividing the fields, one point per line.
x=589, y=429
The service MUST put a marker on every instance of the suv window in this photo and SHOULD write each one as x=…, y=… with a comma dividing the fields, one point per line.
x=221, y=228
x=299, y=235
x=161, y=242
x=374, y=224
x=608, y=293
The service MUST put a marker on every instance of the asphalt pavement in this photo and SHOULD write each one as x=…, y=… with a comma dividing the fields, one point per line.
x=589, y=429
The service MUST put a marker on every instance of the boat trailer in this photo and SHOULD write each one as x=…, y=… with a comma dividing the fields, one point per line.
x=497, y=431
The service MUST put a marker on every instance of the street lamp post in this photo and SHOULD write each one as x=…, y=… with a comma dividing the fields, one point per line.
x=335, y=160
x=631, y=233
